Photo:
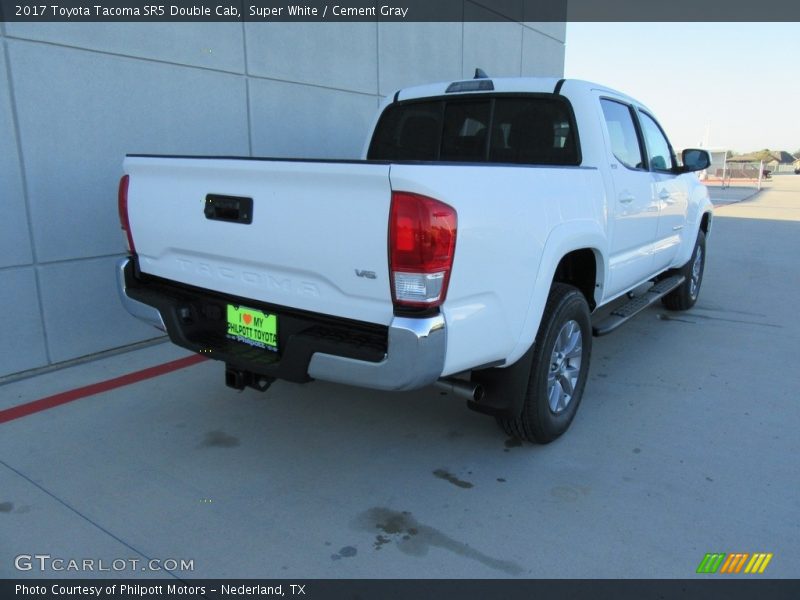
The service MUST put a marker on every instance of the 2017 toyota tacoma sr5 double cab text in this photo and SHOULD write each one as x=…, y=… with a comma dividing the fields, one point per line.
x=469, y=248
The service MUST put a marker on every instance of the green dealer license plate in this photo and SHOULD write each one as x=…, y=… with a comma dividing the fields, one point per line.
x=253, y=327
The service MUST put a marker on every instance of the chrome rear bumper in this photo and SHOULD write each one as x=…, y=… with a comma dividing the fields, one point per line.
x=414, y=357
x=140, y=310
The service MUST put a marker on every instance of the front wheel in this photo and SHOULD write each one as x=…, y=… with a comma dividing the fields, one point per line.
x=685, y=295
x=558, y=371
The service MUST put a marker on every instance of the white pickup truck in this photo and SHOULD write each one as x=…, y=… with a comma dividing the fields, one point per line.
x=469, y=248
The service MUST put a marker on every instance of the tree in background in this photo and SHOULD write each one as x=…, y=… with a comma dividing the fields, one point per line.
x=764, y=155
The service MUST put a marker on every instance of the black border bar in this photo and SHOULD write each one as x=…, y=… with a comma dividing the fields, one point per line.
x=705, y=588
x=277, y=11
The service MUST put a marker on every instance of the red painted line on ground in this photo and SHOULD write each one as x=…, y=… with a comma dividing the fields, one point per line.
x=23, y=410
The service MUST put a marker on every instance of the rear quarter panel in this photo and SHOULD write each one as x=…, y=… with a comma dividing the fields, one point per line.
x=507, y=216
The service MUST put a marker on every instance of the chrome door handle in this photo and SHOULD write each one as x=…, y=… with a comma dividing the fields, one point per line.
x=664, y=195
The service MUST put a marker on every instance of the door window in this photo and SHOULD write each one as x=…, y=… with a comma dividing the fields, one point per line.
x=622, y=134
x=659, y=152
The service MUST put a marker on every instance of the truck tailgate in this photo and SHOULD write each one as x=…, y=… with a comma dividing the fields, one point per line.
x=317, y=240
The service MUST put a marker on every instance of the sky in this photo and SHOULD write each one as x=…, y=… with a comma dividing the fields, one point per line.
x=732, y=86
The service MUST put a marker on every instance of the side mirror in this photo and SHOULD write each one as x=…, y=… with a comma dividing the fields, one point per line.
x=695, y=160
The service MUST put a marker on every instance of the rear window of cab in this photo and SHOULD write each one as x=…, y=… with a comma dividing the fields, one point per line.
x=533, y=129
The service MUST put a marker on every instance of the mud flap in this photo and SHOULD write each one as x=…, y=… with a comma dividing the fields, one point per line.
x=504, y=389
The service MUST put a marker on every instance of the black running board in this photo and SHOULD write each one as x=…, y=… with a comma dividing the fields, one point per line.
x=627, y=311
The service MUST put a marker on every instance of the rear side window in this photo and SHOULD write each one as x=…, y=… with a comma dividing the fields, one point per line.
x=533, y=129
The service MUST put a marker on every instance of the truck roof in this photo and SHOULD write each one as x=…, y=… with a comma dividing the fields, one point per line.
x=545, y=85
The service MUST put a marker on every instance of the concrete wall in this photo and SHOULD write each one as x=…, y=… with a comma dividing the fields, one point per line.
x=74, y=98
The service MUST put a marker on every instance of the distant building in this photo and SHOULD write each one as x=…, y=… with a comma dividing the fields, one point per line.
x=774, y=161
x=719, y=164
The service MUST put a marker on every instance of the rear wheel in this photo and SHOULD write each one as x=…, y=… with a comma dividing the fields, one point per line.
x=558, y=371
x=685, y=295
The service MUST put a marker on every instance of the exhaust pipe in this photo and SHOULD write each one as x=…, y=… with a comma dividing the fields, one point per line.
x=472, y=392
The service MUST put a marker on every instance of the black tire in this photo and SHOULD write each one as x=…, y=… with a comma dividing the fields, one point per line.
x=685, y=295
x=538, y=422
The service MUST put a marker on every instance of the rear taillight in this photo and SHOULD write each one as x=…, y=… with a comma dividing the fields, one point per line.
x=122, y=206
x=422, y=241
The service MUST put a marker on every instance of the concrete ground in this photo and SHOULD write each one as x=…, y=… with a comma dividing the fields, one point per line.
x=686, y=443
x=735, y=193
